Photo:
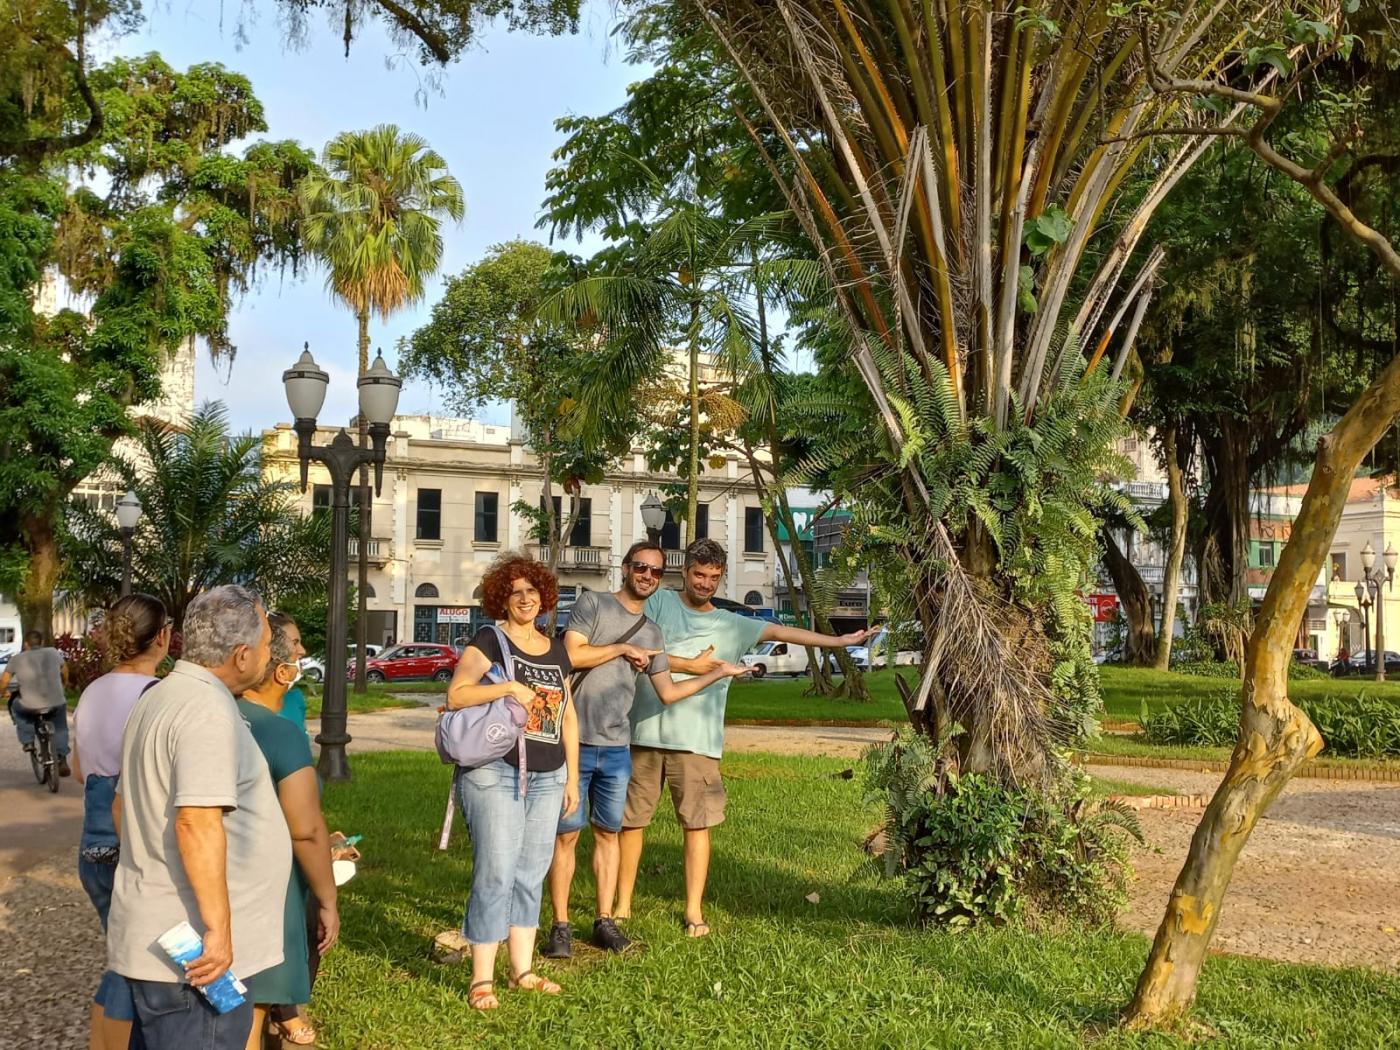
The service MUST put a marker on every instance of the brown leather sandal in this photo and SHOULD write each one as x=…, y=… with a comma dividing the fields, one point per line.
x=481, y=996
x=539, y=984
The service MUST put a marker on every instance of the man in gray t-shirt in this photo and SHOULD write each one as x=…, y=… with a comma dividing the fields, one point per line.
x=38, y=672
x=204, y=840
x=610, y=640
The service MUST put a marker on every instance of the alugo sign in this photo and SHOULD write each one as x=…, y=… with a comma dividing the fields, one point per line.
x=447, y=615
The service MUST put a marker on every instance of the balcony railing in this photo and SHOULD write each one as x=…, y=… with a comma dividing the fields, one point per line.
x=377, y=550
x=675, y=561
x=576, y=559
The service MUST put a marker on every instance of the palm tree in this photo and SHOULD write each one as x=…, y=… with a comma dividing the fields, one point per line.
x=374, y=216
x=210, y=516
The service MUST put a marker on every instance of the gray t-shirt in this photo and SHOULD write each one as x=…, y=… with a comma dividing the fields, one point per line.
x=39, y=675
x=185, y=744
x=605, y=699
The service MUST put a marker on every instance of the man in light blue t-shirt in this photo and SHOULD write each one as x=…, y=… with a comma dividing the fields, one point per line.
x=681, y=744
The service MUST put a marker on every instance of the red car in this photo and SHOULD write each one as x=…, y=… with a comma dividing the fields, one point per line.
x=403, y=662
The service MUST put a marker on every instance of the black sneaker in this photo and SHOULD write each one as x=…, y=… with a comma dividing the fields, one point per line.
x=607, y=936
x=63, y=769
x=561, y=942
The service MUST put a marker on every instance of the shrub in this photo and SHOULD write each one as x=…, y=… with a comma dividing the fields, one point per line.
x=85, y=659
x=970, y=849
x=1363, y=726
x=1229, y=669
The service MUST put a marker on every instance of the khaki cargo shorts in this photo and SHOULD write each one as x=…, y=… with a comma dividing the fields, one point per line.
x=697, y=791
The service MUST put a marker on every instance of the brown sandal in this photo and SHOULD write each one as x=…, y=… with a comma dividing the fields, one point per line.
x=477, y=997
x=303, y=1035
x=540, y=984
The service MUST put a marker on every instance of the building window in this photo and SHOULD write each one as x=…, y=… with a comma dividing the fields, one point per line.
x=487, y=504
x=369, y=589
x=582, y=532
x=429, y=514
x=753, y=530
x=671, y=532
x=1339, y=566
x=426, y=590
x=753, y=598
x=702, y=521
x=1266, y=555
x=320, y=499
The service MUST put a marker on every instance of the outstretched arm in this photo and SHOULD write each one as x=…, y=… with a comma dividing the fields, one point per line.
x=583, y=656
x=777, y=632
x=669, y=690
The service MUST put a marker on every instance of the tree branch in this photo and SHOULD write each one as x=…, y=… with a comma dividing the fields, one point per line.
x=37, y=149
x=434, y=41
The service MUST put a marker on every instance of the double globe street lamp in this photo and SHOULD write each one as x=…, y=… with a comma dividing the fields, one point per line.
x=306, y=384
x=653, y=517
x=128, y=515
x=1369, y=593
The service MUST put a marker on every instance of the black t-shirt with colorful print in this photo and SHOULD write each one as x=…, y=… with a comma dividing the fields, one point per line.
x=546, y=674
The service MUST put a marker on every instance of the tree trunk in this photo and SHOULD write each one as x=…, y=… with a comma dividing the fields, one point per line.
x=1227, y=459
x=362, y=562
x=692, y=494
x=35, y=595
x=1140, y=645
x=1275, y=736
x=1171, y=579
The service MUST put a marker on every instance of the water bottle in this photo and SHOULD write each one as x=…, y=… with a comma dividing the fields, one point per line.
x=183, y=945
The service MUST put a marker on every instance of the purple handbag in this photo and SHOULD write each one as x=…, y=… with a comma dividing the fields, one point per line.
x=473, y=736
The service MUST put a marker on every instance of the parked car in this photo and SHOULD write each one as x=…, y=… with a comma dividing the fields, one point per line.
x=313, y=668
x=875, y=652
x=1109, y=656
x=780, y=658
x=417, y=660
x=1359, y=662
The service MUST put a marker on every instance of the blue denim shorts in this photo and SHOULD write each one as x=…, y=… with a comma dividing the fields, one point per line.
x=603, y=773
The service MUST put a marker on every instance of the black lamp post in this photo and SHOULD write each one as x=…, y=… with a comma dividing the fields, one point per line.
x=306, y=384
x=653, y=517
x=128, y=514
x=1373, y=576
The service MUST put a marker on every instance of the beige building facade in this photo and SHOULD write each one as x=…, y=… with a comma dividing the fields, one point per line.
x=445, y=512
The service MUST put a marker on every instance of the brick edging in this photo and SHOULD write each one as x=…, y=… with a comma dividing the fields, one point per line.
x=809, y=723
x=1162, y=801
x=1309, y=770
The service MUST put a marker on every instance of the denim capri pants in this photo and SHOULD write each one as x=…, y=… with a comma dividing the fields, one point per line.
x=512, y=845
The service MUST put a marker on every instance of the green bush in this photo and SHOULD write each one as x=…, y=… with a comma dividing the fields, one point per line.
x=1229, y=669
x=970, y=849
x=1363, y=726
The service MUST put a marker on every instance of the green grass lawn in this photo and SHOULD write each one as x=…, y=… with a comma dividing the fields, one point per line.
x=372, y=699
x=782, y=699
x=1124, y=689
x=779, y=971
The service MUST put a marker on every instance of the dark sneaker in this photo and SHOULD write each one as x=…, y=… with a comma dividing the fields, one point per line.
x=561, y=942
x=29, y=749
x=607, y=936
x=63, y=769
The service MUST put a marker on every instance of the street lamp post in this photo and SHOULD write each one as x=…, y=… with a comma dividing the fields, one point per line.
x=306, y=383
x=653, y=517
x=1363, y=602
x=128, y=514
x=1375, y=577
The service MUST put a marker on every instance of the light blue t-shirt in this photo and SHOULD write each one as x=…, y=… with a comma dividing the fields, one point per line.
x=696, y=723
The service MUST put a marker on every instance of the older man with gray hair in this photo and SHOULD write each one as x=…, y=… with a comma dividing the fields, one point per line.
x=203, y=836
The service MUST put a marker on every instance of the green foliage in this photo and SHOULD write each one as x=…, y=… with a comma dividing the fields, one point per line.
x=1047, y=230
x=1361, y=726
x=209, y=517
x=310, y=608
x=969, y=849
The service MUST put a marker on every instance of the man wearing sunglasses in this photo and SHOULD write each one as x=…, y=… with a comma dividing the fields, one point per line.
x=680, y=747
x=611, y=641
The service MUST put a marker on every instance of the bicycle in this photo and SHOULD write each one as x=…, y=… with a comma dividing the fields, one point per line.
x=42, y=756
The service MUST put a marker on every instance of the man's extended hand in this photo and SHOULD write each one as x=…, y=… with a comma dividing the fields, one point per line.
x=857, y=637
x=217, y=958
x=737, y=670
x=705, y=662
x=639, y=658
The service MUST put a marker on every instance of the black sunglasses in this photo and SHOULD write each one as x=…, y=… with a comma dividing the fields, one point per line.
x=641, y=568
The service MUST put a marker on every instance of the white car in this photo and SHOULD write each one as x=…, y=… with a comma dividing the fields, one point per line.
x=313, y=668
x=875, y=653
x=778, y=658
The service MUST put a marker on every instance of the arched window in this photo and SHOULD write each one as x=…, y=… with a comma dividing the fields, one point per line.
x=369, y=590
x=426, y=590
x=753, y=598
x=476, y=593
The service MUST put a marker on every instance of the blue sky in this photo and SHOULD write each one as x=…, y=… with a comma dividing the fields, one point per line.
x=492, y=119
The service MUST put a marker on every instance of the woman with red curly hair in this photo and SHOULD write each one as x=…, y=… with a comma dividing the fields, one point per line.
x=513, y=834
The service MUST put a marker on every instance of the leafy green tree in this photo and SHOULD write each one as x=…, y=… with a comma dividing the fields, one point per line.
x=209, y=516
x=487, y=340
x=182, y=227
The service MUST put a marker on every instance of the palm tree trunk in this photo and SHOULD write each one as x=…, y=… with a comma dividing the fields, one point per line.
x=693, y=483
x=362, y=562
x=1171, y=579
x=1275, y=736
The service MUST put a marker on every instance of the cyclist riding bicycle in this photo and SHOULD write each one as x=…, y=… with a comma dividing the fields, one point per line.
x=40, y=674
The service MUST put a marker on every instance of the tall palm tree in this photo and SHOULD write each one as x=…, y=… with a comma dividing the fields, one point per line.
x=374, y=216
